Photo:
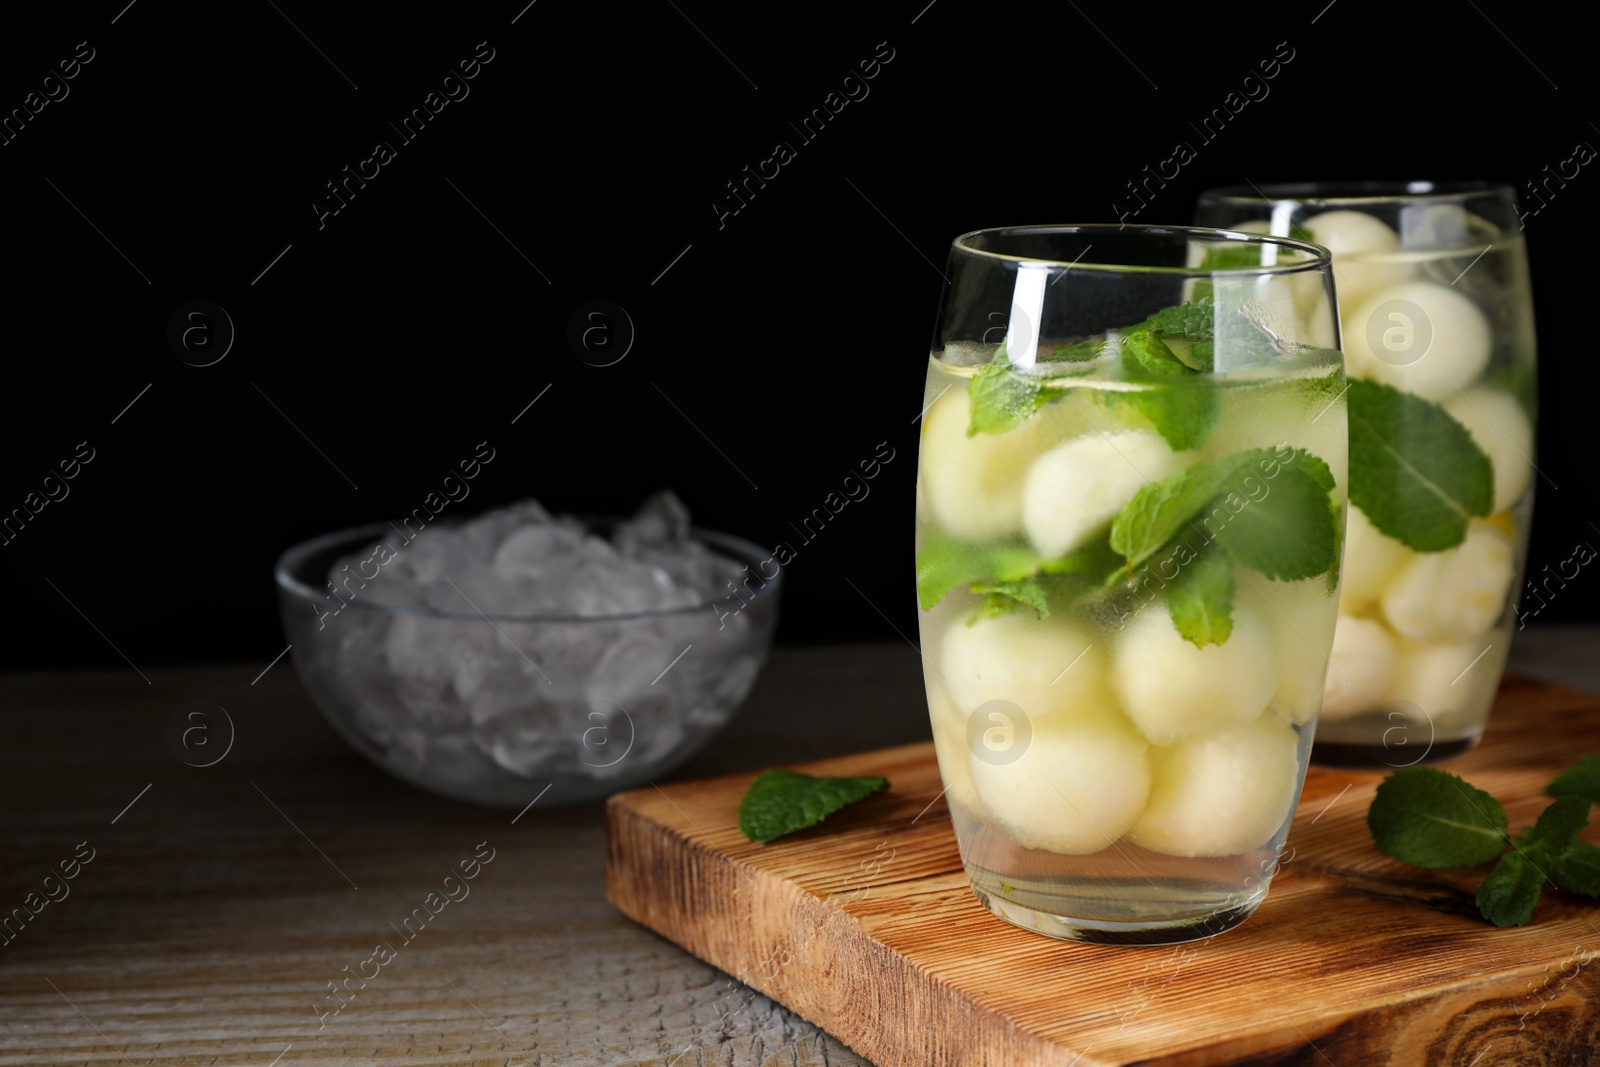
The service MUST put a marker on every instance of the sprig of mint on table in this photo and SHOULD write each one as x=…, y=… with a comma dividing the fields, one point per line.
x=782, y=802
x=1431, y=818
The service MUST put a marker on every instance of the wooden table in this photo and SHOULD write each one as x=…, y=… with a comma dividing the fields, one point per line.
x=221, y=902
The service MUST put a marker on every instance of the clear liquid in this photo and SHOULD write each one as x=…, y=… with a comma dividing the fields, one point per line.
x=1064, y=843
x=1422, y=680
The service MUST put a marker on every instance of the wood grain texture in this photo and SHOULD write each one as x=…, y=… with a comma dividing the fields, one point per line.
x=866, y=926
x=207, y=926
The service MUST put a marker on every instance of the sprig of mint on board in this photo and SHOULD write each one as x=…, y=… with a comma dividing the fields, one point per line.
x=1431, y=818
x=1414, y=470
x=781, y=802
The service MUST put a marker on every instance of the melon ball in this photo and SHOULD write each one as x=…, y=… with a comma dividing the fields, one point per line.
x=1301, y=615
x=973, y=485
x=1048, y=667
x=1452, y=684
x=1371, y=559
x=1172, y=690
x=1074, y=490
x=1361, y=668
x=1360, y=245
x=1077, y=788
x=1496, y=422
x=955, y=770
x=1454, y=594
x=1220, y=794
x=1419, y=336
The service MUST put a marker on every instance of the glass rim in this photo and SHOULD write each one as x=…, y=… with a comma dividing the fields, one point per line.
x=1358, y=192
x=286, y=576
x=1319, y=258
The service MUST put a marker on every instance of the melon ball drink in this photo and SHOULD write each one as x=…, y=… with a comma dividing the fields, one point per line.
x=1130, y=511
x=1432, y=291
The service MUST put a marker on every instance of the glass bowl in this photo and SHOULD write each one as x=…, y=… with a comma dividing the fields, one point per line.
x=504, y=710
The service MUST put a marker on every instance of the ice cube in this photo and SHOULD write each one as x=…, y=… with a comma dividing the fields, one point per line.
x=662, y=519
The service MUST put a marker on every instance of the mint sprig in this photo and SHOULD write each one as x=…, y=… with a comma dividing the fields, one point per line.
x=1507, y=896
x=1001, y=399
x=782, y=802
x=1200, y=600
x=1182, y=534
x=1581, y=780
x=943, y=563
x=1430, y=818
x=1415, y=471
x=1188, y=527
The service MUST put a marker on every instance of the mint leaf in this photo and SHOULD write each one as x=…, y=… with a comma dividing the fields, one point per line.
x=1300, y=233
x=1200, y=599
x=1432, y=818
x=1003, y=597
x=1078, y=352
x=1581, y=780
x=1001, y=399
x=1180, y=403
x=1185, y=416
x=1558, y=827
x=1160, y=510
x=1151, y=355
x=1193, y=322
x=1289, y=533
x=1507, y=897
x=1232, y=255
x=1578, y=869
x=1414, y=470
x=944, y=563
x=781, y=802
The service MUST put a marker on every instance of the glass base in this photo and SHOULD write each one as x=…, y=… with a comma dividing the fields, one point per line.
x=1140, y=931
x=1379, y=756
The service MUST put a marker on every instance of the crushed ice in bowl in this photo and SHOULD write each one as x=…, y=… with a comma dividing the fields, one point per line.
x=566, y=654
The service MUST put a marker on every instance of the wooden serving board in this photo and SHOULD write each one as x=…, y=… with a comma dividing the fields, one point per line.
x=865, y=925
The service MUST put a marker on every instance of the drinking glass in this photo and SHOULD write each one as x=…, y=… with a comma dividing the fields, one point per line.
x=1432, y=287
x=1130, y=505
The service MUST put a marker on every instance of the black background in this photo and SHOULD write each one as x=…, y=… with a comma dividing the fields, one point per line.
x=414, y=324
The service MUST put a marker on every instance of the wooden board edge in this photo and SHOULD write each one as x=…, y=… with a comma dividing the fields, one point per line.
x=773, y=934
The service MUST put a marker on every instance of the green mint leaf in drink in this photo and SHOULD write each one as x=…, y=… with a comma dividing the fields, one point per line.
x=1507, y=897
x=1201, y=356
x=1580, y=780
x=1183, y=414
x=944, y=563
x=1161, y=510
x=1002, y=597
x=1078, y=352
x=1300, y=233
x=1200, y=598
x=1192, y=322
x=1287, y=534
x=1432, y=818
x=1002, y=399
x=1414, y=470
x=781, y=802
x=1146, y=354
x=1578, y=869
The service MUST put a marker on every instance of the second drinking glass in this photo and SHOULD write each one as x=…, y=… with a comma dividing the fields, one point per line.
x=1432, y=283
x=1130, y=509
